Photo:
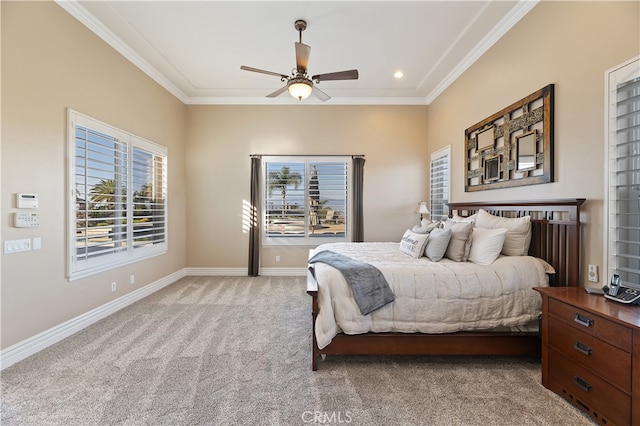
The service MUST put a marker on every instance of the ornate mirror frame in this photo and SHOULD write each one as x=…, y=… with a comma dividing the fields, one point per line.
x=518, y=139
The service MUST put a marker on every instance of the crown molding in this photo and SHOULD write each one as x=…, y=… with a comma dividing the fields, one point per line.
x=505, y=24
x=286, y=101
x=76, y=10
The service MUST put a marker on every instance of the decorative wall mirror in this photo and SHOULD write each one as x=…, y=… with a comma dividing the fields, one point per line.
x=514, y=146
x=485, y=139
x=492, y=168
x=526, y=149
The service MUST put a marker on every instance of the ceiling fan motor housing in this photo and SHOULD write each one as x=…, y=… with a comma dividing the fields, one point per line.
x=300, y=25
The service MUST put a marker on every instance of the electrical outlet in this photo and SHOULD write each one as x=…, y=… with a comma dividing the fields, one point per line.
x=132, y=279
x=277, y=258
x=593, y=273
x=113, y=286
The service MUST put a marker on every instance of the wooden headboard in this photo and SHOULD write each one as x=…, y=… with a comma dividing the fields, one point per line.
x=555, y=231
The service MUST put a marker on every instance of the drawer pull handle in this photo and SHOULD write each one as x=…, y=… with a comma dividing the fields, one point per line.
x=582, y=320
x=581, y=347
x=581, y=383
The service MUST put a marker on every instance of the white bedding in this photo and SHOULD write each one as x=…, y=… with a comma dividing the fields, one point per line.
x=431, y=297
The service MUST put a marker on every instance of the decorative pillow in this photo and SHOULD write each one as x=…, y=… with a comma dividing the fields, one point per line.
x=460, y=243
x=486, y=245
x=437, y=244
x=425, y=226
x=413, y=244
x=518, y=231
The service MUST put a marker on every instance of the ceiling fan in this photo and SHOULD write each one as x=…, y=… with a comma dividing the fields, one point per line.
x=299, y=84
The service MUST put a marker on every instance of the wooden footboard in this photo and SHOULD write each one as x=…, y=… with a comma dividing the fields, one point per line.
x=555, y=238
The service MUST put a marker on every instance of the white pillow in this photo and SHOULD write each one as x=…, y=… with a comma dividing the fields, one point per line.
x=471, y=218
x=413, y=243
x=518, y=231
x=437, y=244
x=460, y=243
x=486, y=245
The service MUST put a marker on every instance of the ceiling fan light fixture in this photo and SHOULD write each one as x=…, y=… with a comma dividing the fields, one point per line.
x=300, y=88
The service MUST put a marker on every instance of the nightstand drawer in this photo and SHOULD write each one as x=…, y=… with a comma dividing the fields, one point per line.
x=614, y=333
x=588, y=391
x=610, y=363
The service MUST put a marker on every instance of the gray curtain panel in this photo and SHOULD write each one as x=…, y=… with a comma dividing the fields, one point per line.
x=358, y=209
x=254, y=218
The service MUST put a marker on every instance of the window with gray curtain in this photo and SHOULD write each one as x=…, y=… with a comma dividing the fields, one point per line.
x=623, y=164
x=304, y=200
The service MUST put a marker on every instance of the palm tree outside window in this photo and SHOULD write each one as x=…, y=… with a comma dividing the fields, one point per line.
x=306, y=200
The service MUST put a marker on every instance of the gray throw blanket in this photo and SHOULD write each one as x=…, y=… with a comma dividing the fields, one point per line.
x=370, y=289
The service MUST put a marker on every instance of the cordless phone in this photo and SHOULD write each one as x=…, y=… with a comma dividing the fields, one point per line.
x=622, y=294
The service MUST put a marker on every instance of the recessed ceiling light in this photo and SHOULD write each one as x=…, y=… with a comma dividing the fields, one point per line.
x=398, y=74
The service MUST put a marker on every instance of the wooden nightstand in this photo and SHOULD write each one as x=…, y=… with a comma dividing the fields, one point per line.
x=591, y=353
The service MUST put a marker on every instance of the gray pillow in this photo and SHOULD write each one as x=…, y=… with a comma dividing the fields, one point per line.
x=460, y=242
x=437, y=244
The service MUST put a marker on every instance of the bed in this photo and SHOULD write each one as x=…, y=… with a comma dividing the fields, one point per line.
x=555, y=240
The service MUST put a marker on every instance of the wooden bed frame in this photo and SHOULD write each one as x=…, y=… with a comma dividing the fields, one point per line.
x=555, y=238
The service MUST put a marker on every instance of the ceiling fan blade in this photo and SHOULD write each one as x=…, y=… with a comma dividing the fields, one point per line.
x=245, y=68
x=278, y=92
x=302, y=56
x=340, y=75
x=320, y=94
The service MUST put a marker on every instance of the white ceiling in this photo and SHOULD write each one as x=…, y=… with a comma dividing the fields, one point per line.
x=195, y=49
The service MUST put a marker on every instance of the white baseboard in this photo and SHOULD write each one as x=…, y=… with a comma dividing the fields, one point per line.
x=234, y=272
x=216, y=272
x=30, y=346
x=284, y=272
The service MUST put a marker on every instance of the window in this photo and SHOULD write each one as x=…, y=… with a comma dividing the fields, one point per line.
x=623, y=173
x=118, y=187
x=440, y=183
x=306, y=200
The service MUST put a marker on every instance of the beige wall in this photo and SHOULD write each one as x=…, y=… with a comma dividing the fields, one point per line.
x=569, y=44
x=221, y=138
x=50, y=62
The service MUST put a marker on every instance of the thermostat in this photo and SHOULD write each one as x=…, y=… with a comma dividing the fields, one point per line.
x=26, y=220
x=27, y=201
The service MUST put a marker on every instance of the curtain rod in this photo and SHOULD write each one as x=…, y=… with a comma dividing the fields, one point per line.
x=307, y=155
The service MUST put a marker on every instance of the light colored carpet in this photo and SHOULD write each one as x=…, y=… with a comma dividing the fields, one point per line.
x=236, y=351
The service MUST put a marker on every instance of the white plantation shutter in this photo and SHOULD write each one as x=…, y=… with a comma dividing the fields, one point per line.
x=315, y=206
x=439, y=183
x=623, y=204
x=100, y=190
x=118, y=188
x=149, y=185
